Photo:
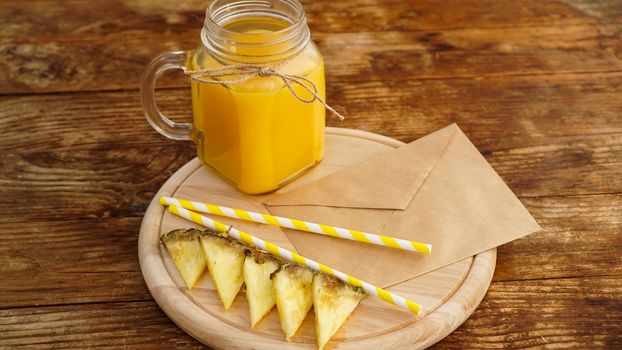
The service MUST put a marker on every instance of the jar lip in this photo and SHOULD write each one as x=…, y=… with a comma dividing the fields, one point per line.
x=226, y=43
x=296, y=23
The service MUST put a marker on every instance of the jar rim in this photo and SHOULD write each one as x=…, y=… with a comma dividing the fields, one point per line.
x=223, y=41
x=214, y=6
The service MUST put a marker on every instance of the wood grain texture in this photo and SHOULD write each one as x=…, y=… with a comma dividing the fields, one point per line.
x=557, y=313
x=496, y=112
x=580, y=237
x=113, y=182
x=76, y=18
x=127, y=325
x=72, y=261
x=85, y=184
x=116, y=60
x=534, y=84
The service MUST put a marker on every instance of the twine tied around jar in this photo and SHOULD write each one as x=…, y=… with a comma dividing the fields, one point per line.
x=239, y=73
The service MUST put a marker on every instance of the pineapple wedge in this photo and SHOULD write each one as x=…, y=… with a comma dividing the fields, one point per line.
x=258, y=267
x=184, y=247
x=225, y=259
x=292, y=288
x=333, y=301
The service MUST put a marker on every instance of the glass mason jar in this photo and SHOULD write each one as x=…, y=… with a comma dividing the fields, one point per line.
x=254, y=130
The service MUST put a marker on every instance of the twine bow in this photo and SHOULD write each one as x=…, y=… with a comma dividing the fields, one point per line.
x=239, y=73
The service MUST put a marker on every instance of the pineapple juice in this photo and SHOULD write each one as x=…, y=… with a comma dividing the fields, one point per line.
x=256, y=133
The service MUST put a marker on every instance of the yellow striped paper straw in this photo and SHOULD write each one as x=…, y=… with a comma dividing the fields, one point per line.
x=299, y=225
x=295, y=258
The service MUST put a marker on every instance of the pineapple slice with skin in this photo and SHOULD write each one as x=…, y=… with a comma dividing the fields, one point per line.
x=184, y=247
x=293, y=288
x=258, y=267
x=294, y=296
x=333, y=302
x=225, y=259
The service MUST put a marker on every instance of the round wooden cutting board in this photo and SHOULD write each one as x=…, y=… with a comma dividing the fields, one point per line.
x=449, y=295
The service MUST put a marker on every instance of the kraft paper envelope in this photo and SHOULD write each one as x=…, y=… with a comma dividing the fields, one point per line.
x=438, y=189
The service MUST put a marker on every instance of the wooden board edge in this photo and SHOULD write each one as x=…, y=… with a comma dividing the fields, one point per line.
x=365, y=135
x=444, y=320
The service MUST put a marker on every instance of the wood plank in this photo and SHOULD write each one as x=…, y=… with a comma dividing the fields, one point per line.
x=97, y=183
x=544, y=170
x=131, y=325
x=79, y=18
x=576, y=313
x=471, y=52
x=350, y=16
x=116, y=61
x=496, y=113
x=572, y=313
x=85, y=120
x=120, y=182
x=580, y=237
x=70, y=261
x=96, y=260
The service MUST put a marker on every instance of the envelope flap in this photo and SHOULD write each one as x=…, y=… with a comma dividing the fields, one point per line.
x=389, y=181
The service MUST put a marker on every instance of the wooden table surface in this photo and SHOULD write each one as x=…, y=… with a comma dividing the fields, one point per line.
x=536, y=85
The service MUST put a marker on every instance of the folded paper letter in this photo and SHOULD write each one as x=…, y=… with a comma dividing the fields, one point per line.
x=438, y=189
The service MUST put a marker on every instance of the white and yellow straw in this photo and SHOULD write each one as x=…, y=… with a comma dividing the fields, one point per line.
x=295, y=258
x=299, y=225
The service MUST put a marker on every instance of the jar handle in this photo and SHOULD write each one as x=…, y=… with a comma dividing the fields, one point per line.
x=165, y=62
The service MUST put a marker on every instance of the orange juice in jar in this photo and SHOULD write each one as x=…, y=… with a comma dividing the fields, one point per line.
x=255, y=120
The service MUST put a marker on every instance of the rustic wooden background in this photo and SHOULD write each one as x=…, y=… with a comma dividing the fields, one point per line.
x=536, y=85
